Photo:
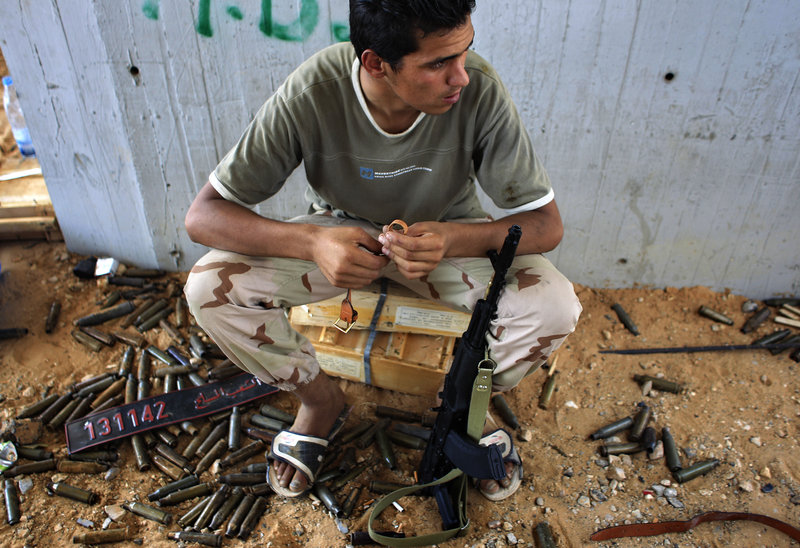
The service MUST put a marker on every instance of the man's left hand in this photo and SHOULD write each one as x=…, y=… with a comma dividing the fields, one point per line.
x=419, y=250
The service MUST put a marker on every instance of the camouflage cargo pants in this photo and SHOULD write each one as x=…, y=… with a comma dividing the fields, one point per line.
x=241, y=302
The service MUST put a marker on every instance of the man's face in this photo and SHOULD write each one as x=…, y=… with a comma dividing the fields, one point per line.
x=431, y=79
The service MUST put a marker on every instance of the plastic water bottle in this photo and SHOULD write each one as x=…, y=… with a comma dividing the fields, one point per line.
x=16, y=119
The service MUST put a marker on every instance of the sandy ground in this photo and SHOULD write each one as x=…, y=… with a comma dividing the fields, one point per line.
x=740, y=407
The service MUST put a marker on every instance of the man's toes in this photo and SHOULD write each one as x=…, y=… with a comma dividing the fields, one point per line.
x=298, y=482
x=490, y=486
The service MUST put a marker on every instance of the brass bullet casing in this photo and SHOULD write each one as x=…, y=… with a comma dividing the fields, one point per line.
x=161, y=356
x=78, y=386
x=671, y=454
x=794, y=339
x=386, y=449
x=244, y=453
x=52, y=317
x=625, y=318
x=547, y=391
x=223, y=372
x=235, y=429
x=100, y=336
x=30, y=468
x=365, y=439
x=275, y=413
x=126, y=362
x=11, y=496
x=196, y=346
x=109, y=403
x=111, y=299
x=113, y=389
x=328, y=499
x=341, y=481
x=140, y=453
x=148, y=512
x=61, y=417
x=227, y=507
x=37, y=407
x=505, y=411
x=142, y=389
x=179, y=356
x=772, y=338
x=101, y=537
x=167, y=467
x=267, y=423
x=406, y=440
x=71, y=492
x=191, y=449
x=181, y=315
x=54, y=408
x=356, y=431
x=82, y=409
x=33, y=453
x=543, y=536
x=252, y=518
x=611, y=429
x=80, y=467
x=348, y=459
x=150, y=311
x=649, y=439
x=242, y=478
x=238, y=515
x=258, y=434
x=754, y=321
x=105, y=315
x=151, y=322
x=213, y=454
x=698, y=469
x=190, y=516
x=414, y=430
x=172, y=487
x=171, y=330
x=659, y=384
x=259, y=489
x=139, y=308
x=168, y=452
x=196, y=379
x=620, y=448
x=218, y=433
x=714, y=315
x=131, y=388
x=217, y=500
x=206, y=539
x=639, y=422
x=350, y=502
x=397, y=414
x=134, y=340
x=260, y=467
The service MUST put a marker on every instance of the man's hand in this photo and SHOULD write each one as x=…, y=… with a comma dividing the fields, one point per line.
x=347, y=256
x=419, y=250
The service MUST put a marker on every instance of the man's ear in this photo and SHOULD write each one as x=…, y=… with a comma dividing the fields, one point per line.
x=373, y=64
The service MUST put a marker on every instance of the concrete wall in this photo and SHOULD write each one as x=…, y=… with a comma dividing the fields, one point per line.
x=671, y=130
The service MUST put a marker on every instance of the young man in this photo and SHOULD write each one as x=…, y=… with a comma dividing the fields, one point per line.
x=398, y=125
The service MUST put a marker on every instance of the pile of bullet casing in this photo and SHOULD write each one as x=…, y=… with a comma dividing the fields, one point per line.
x=224, y=504
x=643, y=438
x=214, y=467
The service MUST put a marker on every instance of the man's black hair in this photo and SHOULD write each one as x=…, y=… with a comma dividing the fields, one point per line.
x=392, y=28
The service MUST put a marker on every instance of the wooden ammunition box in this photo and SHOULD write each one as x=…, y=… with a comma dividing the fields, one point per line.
x=406, y=362
x=403, y=311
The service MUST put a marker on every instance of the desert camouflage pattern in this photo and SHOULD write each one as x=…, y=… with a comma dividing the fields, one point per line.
x=242, y=302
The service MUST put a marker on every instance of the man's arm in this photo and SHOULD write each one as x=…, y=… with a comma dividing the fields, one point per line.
x=425, y=244
x=340, y=252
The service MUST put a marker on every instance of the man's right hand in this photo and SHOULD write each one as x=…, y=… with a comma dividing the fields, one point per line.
x=347, y=256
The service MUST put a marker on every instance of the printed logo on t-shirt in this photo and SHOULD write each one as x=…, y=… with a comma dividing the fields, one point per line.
x=369, y=173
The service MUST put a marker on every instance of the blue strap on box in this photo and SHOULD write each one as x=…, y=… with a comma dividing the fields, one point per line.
x=373, y=331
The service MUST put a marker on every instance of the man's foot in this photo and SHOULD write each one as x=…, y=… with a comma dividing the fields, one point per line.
x=321, y=404
x=499, y=490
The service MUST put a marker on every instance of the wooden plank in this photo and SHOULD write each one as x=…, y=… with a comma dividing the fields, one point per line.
x=25, y=210
x=403, y=311
x=405, y=362
x=30, y=228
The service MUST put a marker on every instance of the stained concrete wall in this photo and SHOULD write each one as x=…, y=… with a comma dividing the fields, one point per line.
x=671, y=130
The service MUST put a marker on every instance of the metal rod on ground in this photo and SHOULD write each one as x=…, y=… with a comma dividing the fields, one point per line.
x=712, y=348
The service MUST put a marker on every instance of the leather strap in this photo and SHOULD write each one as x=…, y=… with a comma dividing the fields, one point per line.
x=347, y=315
x=659, y=528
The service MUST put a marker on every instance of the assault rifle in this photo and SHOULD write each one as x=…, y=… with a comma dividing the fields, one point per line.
x=454, y=439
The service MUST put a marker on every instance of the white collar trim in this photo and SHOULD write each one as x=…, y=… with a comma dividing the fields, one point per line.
x=354, y=76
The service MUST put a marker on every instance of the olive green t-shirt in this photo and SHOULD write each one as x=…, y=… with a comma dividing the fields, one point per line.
x=355, y=169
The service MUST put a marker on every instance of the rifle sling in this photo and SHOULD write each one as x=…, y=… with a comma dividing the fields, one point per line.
x=479, y=404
